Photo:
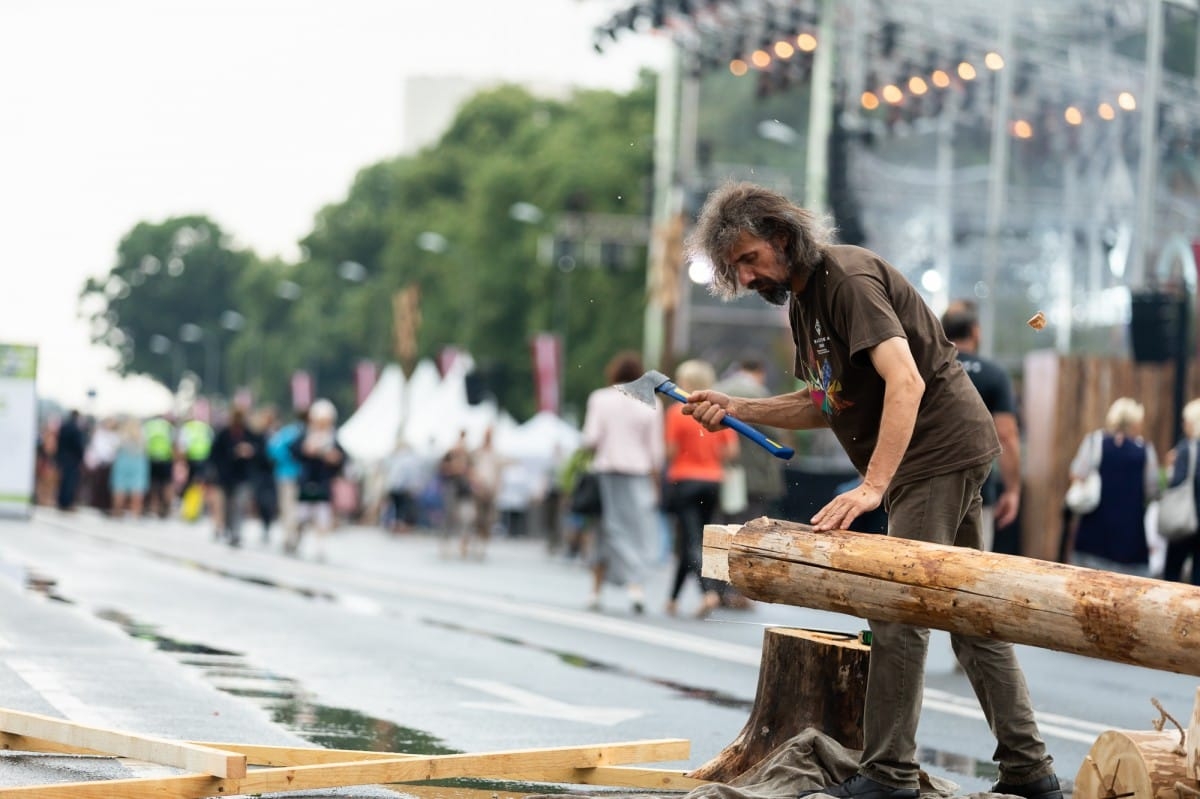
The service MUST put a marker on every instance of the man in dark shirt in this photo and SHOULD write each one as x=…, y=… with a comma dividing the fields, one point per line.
x=68, y=457
x=1002, y=491
x=880, y=373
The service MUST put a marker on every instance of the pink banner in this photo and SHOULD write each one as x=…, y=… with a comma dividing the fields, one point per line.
x=365, y=375
x=547, y=367
x=302, y=390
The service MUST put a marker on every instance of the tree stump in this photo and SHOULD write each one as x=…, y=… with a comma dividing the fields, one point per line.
x=807, y=678
x=1134, y=765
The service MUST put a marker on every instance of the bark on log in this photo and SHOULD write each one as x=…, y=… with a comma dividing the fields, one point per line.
x=807, y=678
x=1135, y=620
x=1137, y=765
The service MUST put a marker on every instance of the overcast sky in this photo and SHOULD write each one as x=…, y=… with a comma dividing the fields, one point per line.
x=254, y=112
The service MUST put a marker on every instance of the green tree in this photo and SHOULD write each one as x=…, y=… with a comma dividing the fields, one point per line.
x=171, y=279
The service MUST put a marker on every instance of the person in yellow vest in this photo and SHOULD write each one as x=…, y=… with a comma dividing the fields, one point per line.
x=159, y=435
x=194, y=445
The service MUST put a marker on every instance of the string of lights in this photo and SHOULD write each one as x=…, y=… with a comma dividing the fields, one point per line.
x=1067, y=74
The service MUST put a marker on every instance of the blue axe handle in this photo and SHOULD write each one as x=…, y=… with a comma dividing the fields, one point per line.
x=778, y=450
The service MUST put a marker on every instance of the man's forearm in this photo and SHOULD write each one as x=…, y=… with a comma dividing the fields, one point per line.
x=901, y=401
x=793, y=411
x=1010, y=454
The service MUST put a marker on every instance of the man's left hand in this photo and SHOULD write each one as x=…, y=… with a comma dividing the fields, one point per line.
x=845, y=508
x=1007, y=505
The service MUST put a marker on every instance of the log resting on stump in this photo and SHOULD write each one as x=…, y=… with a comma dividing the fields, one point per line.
x=1099, y=614
x=1125, y=764
x=807, y=678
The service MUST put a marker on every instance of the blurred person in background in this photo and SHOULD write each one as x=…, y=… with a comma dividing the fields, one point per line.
x=1183, y=550
x=458, y=503
x=159, y=435
x=764, y=472
x=98, y=459
x=1113, y=536
x=626, y=439
x=696, y=462
x=194, y=445
x=263, y=423
x=487, y=471
x=1002, y=490
x=238, y=458
x=321, y=459
x=286, y=471
x=405, y=475
x=130, y=473
x=68, y=459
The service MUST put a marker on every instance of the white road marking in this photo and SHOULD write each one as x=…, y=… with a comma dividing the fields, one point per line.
x=527, y=703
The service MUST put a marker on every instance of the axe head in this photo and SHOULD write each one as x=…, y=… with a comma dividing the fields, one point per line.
x=644, y=387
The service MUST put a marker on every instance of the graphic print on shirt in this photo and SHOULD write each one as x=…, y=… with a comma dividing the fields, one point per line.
x=823, y=387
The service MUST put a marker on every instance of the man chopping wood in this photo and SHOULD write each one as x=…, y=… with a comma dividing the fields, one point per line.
x=880, y=373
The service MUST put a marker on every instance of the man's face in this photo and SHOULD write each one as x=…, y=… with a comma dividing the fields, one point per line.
x=761, y=267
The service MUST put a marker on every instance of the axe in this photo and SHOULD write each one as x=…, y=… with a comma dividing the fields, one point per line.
x=644, y=387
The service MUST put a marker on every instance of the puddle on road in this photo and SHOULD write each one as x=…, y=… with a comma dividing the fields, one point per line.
x=285, y=699
x=571, y=659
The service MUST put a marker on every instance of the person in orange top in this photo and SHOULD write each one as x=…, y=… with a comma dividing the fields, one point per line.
x=695, y=466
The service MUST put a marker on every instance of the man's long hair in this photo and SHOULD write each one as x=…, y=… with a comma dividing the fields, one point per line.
x=764, y=214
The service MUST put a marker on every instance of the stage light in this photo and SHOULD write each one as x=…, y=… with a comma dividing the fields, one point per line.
x=738, y=67
x=917, y=85
x=1126, y=101
x=760, y=59
x=806, y=42
x=993, y=61
x=784, y=50
x=1073, y=115
x=940, y=78
x=892, y=94
x=1106, y=112
x=966, y=71
x=870, y=101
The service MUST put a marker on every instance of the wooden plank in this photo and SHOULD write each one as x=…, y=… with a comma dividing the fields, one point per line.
x=258, y=755
x=189, y=757
x=633, y=777
x=11, y=741
x=1137, y=620
x=533, y=765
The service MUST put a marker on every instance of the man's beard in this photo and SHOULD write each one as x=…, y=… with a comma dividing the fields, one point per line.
x=772, y=291
x=776, y=292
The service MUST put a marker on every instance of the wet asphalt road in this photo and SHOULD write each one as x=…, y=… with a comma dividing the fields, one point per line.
x=155, y=628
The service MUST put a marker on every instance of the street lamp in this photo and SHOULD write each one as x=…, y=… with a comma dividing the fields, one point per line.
x=193, y=333
x=352, y=271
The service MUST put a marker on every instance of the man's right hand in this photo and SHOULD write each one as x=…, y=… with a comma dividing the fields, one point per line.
x=708, y=408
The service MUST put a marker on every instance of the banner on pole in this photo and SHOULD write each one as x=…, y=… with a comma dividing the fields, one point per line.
x=547, y=371
x=302, y=390
x=18, y=428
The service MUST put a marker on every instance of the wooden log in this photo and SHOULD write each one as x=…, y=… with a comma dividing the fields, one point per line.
x=1133, y=765
x=1137, y=620
x=808, y=678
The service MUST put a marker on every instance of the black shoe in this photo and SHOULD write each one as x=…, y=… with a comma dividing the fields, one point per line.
x=1045, y=788
x=860, y=787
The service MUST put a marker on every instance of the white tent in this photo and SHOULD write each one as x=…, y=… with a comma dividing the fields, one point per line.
x=544, y=437
x=430, y=411
x=370, y=433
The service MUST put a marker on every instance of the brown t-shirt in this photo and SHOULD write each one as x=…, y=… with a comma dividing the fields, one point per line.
x=854, y=301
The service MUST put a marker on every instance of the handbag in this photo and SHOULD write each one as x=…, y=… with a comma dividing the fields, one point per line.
x=1177, y=506
x=585, y=497
x=1083, y=496
x=734, y=498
